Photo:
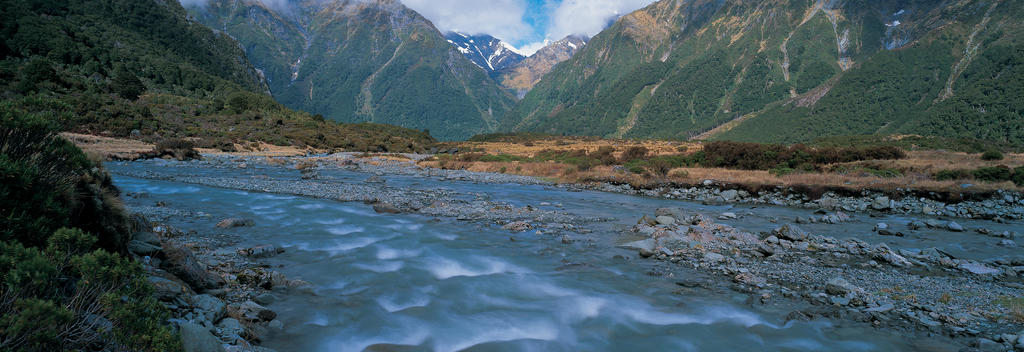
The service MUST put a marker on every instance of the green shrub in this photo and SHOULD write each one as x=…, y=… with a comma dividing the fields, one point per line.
x=1018, y=176
x=992, y=155
x=633, y=153
x=948, y=175
x=993, y=174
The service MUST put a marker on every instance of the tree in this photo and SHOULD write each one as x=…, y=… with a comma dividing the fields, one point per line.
x=126, y=85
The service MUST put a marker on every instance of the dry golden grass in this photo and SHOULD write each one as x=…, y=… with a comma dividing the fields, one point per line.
x=917, y=169
x=530, y=149
x=106, y=146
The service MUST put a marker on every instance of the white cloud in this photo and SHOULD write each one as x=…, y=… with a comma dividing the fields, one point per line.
x=499, y=18
x=588, y=16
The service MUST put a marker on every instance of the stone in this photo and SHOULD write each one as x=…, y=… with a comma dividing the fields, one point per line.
x=182, y=263
x=881, y=203
x=933, y=223
x=251, y=311
x=230, y=329
x=146, y=237
x=385, y=208
x=234, y=222
x=518, y=226
x=885, y=308
x=375, y=179
x=986, y=345
x=978, y=269
x=196, y=338
x=647, y=245
x=265, y=299
x=665, y=220
x=890, y=233
x=730, y=195
x=143, y=248
x=728, y=216
x=212, y=308
x=838, y=286
x=275, y=324
x=790, y=232
x=953, y=226
x=928, y=210
x=167, y=290
x=262, y=251
x=1007, y=243
x=881, y=226
x=713, y=257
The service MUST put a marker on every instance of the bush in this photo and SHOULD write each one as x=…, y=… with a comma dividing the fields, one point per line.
x=993, y=174
x=949, y=175
x=1018, y=176
x=633, y=153
x=992, y=155
x=178, y=148
x=756, y=156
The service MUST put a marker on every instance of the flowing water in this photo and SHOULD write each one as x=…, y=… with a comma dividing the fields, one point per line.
x=409, y=282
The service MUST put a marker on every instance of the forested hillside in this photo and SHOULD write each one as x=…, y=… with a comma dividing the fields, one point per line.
x=144, y=69
x=791, y=71
x=363, y=61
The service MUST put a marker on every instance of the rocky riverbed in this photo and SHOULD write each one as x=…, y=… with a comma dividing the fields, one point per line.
x=220, y=289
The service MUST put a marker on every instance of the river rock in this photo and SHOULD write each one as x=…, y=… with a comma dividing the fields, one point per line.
x=665, y=220
x=518, y=226
x=978, y=269
x=234, y=222
x=375, y=179
x=881, y=203
x=986, y=345
x=881, y=226
x=953, y=226
x=196, y=338
x=212, y=308
x=147, y=237
x=167, y=290
x=230, y=330
x=730, y=195
x=728, y=216
x=790, y=232
x=712, y=257
x=251, y=311
x=838, y=286
x=1007, y=243
x=182, y=263
x=265, y=299
x=263, y=251
x=647, y=245
x=143, y=248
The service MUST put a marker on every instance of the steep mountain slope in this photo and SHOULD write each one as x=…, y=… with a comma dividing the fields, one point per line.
x=355, y=61
x=524, y=75
x=488, y=52
x=792, y=70
x=146, y=70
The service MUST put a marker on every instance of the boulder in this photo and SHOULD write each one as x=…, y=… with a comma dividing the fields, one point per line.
x=212, y=308
x=385, y=208
x=647, y=245
x=953, y=226
x=712, y=257
x=265, y=299
x=728, y=216
x=167, y=290
x=146, y=237
x=230, y=329
x=838, y=286
x=251, y=311
x=881, y=203
x=375, y=179
x=665, y=220
x=143, y=248
x=978, y=269
x=182, y=263
x=881, y=226
x=791, y=233
x=1007, y=243
x=196, y=338
x=234, y=222
x=730, y=195
x=263, y=251
x=518, y=226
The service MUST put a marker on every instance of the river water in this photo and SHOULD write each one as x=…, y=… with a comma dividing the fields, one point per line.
x=410, y=282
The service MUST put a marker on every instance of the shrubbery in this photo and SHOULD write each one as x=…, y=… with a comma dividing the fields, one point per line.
x=756, y=156
x=1000, y=173
x=63, y=283
x=992, y=155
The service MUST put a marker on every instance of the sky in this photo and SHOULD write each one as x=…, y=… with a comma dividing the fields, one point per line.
x=525, y=24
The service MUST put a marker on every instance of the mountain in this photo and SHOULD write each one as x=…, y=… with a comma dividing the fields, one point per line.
x=363, y=61
x=522, y=76
x=147, y=70
x=792, y=71
x=487, y=52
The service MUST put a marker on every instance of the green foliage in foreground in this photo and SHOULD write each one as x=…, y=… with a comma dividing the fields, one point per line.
x=912, y=142
x=64, y=284
x=999, y=173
